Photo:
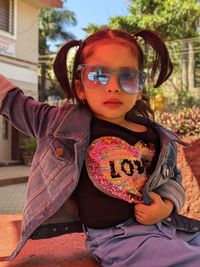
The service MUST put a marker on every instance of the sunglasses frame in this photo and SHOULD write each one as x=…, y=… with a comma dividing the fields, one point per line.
x=142, y=75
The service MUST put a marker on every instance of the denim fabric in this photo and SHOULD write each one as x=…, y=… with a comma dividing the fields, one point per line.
x=54, y=176
x=136, y=245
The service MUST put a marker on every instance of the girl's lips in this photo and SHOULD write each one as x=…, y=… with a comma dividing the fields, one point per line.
x=112, y=103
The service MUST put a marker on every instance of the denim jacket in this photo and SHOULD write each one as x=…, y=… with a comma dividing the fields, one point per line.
x=63, y=135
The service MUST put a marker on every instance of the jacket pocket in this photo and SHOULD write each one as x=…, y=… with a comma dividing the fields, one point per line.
x=53, y=167
x=63, y=151
x=56, y=157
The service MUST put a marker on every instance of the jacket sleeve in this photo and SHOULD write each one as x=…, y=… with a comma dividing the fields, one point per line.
x=27, y=115
x=172, y=188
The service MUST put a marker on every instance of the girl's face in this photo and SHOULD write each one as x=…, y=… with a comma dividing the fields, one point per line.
x=110, y=102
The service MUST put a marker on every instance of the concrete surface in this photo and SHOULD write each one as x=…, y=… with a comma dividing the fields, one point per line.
x=12, y=188
x=13, y=174
x=12, y=198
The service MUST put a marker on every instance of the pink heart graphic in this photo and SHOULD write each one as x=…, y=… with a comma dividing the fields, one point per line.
x=117, y=168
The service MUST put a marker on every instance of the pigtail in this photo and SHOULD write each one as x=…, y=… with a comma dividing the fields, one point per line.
x=162, y=60
x=61, y=69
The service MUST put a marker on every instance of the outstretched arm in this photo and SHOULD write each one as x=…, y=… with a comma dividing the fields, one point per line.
x=23, y=112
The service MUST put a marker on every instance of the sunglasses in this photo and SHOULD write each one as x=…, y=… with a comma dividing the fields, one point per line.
x=96, y=76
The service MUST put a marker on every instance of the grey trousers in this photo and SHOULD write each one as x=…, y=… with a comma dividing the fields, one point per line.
x=135, y=245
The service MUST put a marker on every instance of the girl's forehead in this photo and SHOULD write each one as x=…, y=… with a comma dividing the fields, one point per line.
x=111, y=53
x=90, y=48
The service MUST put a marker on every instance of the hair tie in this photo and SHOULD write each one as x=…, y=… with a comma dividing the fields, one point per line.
x=134, y=36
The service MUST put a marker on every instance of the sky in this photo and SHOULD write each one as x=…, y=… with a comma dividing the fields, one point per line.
x=92, y=11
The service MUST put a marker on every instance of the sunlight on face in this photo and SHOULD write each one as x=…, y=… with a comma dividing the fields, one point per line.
x=109, y=102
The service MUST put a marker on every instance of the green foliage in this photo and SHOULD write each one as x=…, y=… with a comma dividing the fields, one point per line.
x=174, y=19
x=29, y=146
x=92, y=28
x=185, y=99
x=185, y=122
x=52, y=26
x=152, y=92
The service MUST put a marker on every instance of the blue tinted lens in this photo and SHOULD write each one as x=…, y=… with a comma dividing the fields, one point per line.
x=131, y=80
x=95, y=76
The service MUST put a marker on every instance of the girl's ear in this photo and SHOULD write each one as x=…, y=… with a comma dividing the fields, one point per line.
x=79, y=89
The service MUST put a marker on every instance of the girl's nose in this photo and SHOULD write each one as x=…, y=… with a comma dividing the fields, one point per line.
x=113, y=84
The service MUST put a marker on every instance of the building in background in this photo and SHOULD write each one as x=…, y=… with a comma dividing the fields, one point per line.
x=19, y=58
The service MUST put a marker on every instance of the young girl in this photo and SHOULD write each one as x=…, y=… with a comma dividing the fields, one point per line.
x=103, y=160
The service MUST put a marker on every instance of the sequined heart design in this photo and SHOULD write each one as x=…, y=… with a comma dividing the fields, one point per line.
x=117, y=168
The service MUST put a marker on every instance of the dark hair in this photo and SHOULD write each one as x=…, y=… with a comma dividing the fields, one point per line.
x=161, y=65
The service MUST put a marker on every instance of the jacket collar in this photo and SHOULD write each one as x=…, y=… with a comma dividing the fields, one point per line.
x=74, y=123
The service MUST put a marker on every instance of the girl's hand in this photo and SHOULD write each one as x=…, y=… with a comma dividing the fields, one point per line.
x=158, y=210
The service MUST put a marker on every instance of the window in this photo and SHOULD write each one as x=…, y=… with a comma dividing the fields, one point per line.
x=7, y=16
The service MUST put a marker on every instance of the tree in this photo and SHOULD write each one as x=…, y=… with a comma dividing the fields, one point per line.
x=53, y=23
x=173, y=19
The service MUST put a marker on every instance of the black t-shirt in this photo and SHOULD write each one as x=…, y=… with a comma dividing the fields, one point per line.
x=96, y=209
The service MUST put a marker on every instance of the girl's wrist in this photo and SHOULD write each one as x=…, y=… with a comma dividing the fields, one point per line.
x=169, y=205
